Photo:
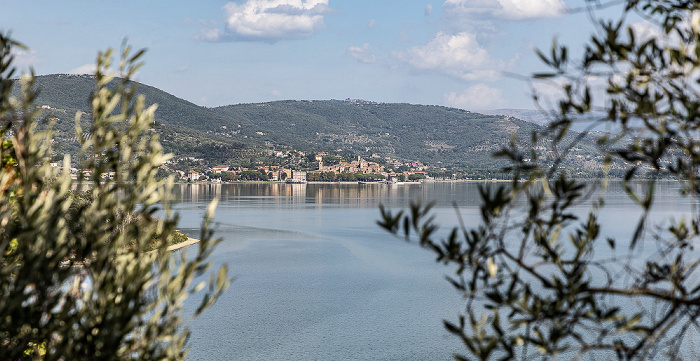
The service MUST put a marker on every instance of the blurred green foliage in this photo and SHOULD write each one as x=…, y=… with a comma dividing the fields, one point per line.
x=77, y=280
x=541, y=277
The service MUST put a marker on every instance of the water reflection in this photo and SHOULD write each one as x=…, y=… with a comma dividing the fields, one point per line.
x=359, y=195
x=667, y=200
x=318, y=279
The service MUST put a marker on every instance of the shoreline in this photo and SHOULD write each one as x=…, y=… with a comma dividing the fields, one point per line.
x=190, y=241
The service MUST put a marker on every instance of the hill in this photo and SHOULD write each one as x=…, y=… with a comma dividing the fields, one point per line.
x=71, y=92
x=430, y=134
x=250, y=133
x=62, y=95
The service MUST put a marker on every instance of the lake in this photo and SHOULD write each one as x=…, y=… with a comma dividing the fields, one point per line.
x=317, y=279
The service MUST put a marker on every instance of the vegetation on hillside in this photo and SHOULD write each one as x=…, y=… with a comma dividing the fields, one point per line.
x=430, y=134
x=438, y=136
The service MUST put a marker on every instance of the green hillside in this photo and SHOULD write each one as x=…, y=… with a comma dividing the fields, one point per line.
x=431, y=134
x=435, y=135
x=71, y=92
x=181, y=124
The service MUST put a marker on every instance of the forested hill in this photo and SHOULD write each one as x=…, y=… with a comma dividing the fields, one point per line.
x=65, y=91
x=61, y=95
x=431, y=134
x=434, y=135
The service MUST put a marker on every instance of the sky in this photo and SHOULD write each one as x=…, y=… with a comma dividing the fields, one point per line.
x=469, y=54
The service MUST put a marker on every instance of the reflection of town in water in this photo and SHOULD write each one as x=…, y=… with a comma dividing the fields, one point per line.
x=360, y=195
x=349, y=194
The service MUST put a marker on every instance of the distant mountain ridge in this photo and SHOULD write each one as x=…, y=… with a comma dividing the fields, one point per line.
x=435, y=135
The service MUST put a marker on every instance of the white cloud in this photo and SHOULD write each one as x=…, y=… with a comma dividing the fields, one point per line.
x=371, y=23
x=507, y=9
x=459, y=56
x=479, y=96
x=362, y=54
x=270, y=20
x=428, y=9
x=211, y=35
x=644, y=31
x=550, y=92
x=83, y=69
x=530, y=9
x=25, y=58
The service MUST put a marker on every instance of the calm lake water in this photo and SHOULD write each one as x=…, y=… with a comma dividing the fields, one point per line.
x=317, y=279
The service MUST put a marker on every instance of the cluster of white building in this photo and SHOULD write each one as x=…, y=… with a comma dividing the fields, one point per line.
x=277, y=173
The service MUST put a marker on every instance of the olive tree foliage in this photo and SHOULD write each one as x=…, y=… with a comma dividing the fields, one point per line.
x=96, y=293
x=541, y=278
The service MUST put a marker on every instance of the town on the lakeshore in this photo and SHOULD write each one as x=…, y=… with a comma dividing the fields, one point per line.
x=340, y=171
x=356, y=170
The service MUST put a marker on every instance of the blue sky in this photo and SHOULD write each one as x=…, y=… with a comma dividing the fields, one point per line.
x=451, y=52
